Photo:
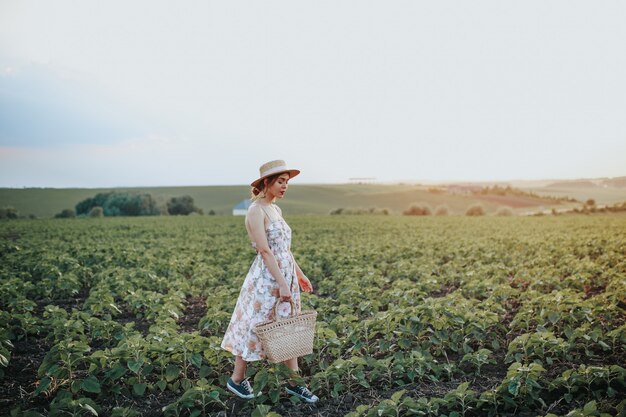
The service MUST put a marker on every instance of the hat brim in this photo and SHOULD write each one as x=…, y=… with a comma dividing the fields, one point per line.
x=292, y=173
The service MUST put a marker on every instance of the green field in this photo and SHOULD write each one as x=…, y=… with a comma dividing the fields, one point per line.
x=307, y=198
x=418, y=316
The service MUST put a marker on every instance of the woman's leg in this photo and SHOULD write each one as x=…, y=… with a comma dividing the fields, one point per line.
x=293, y=365
x=239, y=373
x=294, y=382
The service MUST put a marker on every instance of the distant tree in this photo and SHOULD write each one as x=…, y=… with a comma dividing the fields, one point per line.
x=182, y=206
x=85, y=206
x=125, y=204
x=590, y=202
x=96, y=211
x=418, y=209
x=475, y=210
x=120, y=204
x=65, y=214
x=211, y=212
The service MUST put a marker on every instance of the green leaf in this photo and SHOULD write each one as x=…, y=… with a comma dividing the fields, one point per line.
x=91, y=384
x=139, y=389
x=274, y=395
x=397, y=395
x=135, y=365
x=161, y=385
x=554, y=317
x=204, y=371
x=196, y=360
x=75, y=386
x=514, y=387
x=590, y=407
x=89, y=408
x=195, y=413
x=171, y=372
x=186, y=384
x=116, y=372
x=261, y=410
x=43, y=385
x=260, y=380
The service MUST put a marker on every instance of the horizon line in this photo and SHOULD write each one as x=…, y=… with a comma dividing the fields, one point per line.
x=371, y=181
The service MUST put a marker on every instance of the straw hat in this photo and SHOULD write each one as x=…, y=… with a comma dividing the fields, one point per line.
x=274, y=167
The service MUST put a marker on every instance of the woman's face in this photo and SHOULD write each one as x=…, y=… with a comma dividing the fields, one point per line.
x=279, y=187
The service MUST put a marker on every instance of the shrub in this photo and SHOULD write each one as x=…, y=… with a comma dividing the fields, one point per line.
x=475, y=210
x=442, y=210
x=96, y=211
x=100, y=199
x=418, y=209
x=65, y=214
x=359, y=211
x=590, y=202
x=124, y=204
x=211, y=212
x=9, y=213
x=182, y=206
x=504, y=211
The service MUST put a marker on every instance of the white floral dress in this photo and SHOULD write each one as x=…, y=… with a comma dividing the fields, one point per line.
x=259, y=293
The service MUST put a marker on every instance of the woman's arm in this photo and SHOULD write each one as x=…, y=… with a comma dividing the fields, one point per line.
x=256, y=222
x=305, y=284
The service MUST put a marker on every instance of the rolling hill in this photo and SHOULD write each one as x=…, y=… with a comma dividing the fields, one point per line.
x=300, y=199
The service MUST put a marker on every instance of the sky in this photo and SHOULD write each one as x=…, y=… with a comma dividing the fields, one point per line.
x=151, y=93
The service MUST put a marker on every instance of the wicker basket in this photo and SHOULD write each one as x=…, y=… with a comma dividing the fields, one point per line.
x=286, y=338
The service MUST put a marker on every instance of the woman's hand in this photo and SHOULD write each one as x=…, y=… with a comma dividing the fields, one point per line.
x=284, y=293
x=305, y=284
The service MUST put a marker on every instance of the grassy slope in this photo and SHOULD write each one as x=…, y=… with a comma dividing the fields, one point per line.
x=301, y=198
x=602, y=195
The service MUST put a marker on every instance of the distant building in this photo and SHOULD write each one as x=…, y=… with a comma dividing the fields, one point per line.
x=241, y=209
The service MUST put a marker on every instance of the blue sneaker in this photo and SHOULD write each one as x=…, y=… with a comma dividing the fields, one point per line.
x=242, y=390
x=301, y=392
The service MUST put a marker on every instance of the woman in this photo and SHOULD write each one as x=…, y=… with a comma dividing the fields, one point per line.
x=274, y=274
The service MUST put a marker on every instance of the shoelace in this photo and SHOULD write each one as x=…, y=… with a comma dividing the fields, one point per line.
x=305, y=391
x=246, y=384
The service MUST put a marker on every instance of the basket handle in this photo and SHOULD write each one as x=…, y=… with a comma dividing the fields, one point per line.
x=293, y=308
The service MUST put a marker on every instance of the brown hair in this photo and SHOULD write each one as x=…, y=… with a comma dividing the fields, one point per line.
x=256, y=191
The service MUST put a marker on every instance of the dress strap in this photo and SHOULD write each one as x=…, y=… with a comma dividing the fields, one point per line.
x=269, y=216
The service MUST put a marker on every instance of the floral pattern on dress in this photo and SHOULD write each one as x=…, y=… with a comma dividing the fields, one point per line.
x=259, y=292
